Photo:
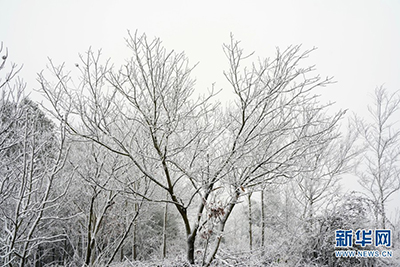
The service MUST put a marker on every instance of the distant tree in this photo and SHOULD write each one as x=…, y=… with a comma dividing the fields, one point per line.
x=100, y=198
x=318, y=184
x=379, y=172
x=32, y=156
x=33, y=153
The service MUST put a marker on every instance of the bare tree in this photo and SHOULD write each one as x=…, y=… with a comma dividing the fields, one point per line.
x=202, y=156
x=34, y=162
x=318, y=182
x=276, y=120
x=148, y=117
x=100, y=195
x=32, y=152
x=11, y=111
x=317, y=186
x=379, y=174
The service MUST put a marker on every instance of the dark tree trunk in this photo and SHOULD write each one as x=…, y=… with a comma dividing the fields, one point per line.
x=164, y=240
x=250, y=223
x=262, y=219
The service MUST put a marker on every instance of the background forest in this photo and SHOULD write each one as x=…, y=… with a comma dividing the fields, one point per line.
x=130, y=166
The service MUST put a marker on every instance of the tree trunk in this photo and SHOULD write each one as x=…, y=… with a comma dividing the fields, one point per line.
x=383, y=214
x=89, y=233
x=190, y=248
x=134, y=233
x=250, y=223
x=262, y=219
x=164, y=240
x=310, y=223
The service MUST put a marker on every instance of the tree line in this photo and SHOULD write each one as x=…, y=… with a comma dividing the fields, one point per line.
x=128, y=165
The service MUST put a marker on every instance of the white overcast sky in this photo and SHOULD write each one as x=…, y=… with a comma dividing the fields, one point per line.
x=358, y=41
